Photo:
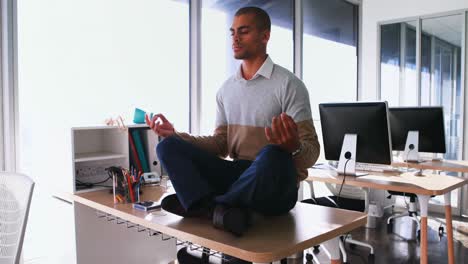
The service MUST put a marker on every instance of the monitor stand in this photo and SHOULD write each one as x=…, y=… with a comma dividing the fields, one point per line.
x=348, y=156
x=411, y=153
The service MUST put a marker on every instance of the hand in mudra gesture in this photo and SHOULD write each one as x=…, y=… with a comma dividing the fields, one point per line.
x=283, y=132
x=160, y=125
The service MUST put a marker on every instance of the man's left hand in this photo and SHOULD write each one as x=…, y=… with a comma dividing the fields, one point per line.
x=283, y=132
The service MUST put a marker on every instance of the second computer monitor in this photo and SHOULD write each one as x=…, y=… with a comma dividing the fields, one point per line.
x=427, y=121
x=367, y=120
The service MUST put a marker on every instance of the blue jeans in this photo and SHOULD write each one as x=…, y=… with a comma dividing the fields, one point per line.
x=266, y=185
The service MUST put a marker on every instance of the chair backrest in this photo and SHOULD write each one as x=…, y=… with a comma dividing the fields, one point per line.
x=15, y=199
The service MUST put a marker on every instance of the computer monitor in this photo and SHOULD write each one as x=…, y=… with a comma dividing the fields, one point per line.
x=417, y=129
x=356, y=132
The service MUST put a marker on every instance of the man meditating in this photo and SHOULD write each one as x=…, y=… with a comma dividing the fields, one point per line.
x=263, y=123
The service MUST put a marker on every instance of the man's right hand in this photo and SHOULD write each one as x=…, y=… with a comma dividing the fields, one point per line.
x=160, y=125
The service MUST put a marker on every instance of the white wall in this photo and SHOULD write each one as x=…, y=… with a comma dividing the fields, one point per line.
x=375, y=11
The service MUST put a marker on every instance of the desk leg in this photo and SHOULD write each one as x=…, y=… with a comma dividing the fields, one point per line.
x=423, y=203
x=448, y=220
x=311, y=187
x=332, y=246
x=370, y=222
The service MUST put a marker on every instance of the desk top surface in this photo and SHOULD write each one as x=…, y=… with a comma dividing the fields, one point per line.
x=270, y=238
x=442, y=165
x=427, y=184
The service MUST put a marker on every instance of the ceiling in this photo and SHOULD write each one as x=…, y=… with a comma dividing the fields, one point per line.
x=448, y=28
x=329, y=19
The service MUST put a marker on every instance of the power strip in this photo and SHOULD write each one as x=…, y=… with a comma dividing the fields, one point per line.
x=91, y=172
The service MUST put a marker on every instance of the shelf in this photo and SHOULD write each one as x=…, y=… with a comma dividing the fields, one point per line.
x=82, y=157
x=101, y=127
x=93, y=189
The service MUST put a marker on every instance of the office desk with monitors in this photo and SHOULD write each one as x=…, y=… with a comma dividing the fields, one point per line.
x=457, y=166
x=423, y=186
x=270, y=239
x=460, y=166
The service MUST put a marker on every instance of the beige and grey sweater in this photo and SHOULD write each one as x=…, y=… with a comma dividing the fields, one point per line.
x=246, y=107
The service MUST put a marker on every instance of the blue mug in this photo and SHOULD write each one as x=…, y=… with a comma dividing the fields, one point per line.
x=139, y=116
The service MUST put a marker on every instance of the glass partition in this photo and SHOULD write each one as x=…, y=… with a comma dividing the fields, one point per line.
x=398, y=75
x=440, y=77
x=440, y=50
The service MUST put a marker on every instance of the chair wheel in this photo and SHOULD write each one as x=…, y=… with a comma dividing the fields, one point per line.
x=441, y=231
x=309, y=257
x=316, y=248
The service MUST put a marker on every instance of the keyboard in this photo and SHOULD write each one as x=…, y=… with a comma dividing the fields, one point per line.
x=360, y=167
x=375, y=167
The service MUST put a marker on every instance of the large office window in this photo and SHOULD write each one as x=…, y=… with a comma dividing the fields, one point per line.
x=218, y=62
x=330, y=51
x=81, y=62
x=329, y=54
x=390, y=63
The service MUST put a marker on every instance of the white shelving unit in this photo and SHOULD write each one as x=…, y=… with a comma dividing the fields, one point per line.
x=94, y=149
x=98, y=147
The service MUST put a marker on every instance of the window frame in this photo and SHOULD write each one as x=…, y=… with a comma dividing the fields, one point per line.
x=8, y=85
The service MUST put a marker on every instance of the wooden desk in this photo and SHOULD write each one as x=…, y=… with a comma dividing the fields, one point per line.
x=423, y=186
x=442, y=165
x=270, y=239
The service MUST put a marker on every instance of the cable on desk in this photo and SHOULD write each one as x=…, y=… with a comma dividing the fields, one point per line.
x=342, y=183
x=85, y=185
x=407, y=156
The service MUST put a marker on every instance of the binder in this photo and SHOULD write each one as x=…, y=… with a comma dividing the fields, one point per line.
x=140, y=150
x=152, y=142
x=134, y=154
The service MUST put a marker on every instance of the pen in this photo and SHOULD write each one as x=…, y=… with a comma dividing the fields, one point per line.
x=114, y=185
x=130, y=188
x=139, y=175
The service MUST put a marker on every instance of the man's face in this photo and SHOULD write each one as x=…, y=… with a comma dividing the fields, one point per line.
x=247, y=40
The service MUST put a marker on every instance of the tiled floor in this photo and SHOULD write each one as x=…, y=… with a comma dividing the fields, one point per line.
x=401, y=246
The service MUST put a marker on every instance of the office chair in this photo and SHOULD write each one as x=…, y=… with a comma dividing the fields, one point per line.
x=343, y=203
x=15, y=199
x=412, y=213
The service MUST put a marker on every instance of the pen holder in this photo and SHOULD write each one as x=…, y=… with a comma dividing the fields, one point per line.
x=125, y=190
x=163, y=182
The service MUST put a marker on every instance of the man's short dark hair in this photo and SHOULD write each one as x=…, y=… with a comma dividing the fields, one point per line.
x=262, y=19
